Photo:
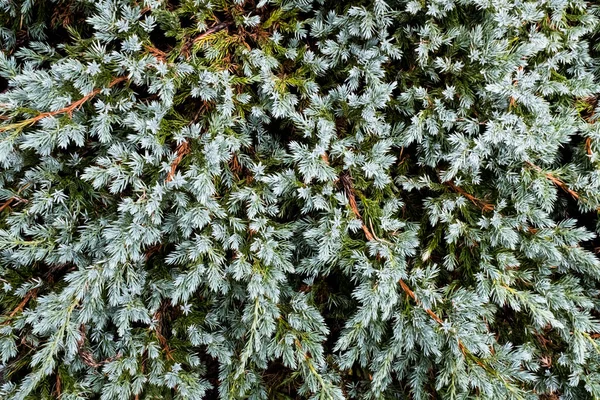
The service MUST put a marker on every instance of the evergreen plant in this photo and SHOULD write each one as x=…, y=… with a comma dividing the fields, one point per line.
x=289, y=199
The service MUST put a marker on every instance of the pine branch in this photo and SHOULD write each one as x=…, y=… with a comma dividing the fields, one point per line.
x=65, y=110
x=214, y=29
x=466, y=353
x=555, y=180
x=218, y=27
x=346, y=181
x=413, y=296
x=485, y=206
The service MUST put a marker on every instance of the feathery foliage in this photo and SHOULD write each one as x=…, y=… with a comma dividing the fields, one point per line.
x=279, y=199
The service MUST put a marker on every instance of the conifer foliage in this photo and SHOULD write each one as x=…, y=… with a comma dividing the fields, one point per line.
x=289, y=199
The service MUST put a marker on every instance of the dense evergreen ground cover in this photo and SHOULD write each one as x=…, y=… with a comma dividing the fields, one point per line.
x=286, y=199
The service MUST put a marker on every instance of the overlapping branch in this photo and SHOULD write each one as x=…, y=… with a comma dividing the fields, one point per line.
x=346, y=181
x=485, y=206
x=65, y=110
x=554, y=180
x=185, y=49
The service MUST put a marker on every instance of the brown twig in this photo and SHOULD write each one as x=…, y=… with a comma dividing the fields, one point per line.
x=65, y=110
x=402, y=157
x=234, y=166
x=58, y=386
x=413, y=296
x=592, y=102
x=161, y=339
x=485, y=206
x=182, y=150
x=555, y=180
x=346, y=181
x=152, y=250
x=436, y=318
x=159, y=54
x=30, y=294
x=7, y=203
